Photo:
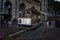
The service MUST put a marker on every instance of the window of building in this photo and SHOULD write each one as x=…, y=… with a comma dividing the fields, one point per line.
x=21, y=7
x=8, y=9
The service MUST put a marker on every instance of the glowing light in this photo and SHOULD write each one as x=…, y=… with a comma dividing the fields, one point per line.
x=57, y=0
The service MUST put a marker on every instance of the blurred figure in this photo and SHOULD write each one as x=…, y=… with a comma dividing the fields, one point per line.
x=14, y=22
x=47, y=25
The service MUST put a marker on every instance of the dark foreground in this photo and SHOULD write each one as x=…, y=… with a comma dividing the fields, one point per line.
x=39, y=33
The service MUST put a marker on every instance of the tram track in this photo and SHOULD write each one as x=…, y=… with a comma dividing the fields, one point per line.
x=20, y=33
x=28, y=34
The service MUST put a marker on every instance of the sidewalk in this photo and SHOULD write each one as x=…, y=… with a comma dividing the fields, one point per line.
x=7, y=31
x=52, y=35
x=51, y=26
x=49, y=34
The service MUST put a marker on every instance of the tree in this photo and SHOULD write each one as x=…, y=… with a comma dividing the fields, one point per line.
x=55, y=6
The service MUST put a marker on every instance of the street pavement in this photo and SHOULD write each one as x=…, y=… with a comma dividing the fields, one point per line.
x=39, y=33
x=35, y=33
x=52, y=34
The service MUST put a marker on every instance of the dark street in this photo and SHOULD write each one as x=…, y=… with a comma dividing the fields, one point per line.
x=29, y=19
x=40, y=33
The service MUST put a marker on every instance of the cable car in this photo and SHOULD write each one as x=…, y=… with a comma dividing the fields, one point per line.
x=30, y=18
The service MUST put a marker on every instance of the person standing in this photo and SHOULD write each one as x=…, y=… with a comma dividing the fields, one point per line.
x=47, y=25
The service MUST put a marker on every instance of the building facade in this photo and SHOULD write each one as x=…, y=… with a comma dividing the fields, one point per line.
x=11, y=8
